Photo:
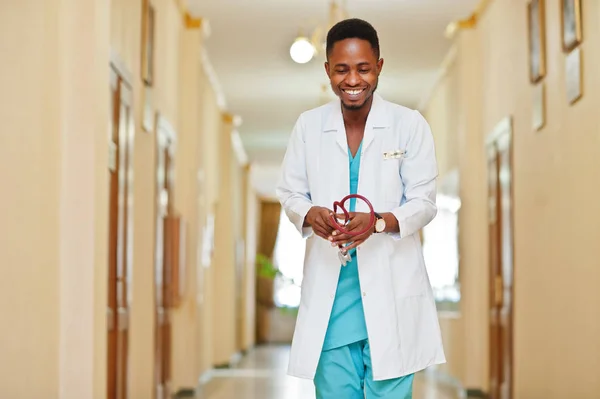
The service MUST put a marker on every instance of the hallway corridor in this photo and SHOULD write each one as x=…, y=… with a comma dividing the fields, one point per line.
x=261, y=375
x=168, y=166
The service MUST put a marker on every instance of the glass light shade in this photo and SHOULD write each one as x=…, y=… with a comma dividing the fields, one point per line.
x=302, y=51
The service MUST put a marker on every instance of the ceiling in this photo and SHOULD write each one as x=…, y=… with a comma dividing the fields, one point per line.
x=248, y=48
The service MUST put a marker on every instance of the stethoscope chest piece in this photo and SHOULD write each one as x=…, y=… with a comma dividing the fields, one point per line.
x=344, y=258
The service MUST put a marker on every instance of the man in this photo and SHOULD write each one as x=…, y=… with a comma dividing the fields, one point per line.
x=366, y=327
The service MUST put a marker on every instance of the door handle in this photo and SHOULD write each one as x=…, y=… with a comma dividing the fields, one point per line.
x=160, y=315
x=499, y=290
x=110, y=319
x=123, y=321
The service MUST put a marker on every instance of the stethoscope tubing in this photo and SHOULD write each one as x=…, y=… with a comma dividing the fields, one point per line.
x=340, y=204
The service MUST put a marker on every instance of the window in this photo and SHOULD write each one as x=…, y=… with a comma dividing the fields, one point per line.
x=289, y=259
x=440, y=249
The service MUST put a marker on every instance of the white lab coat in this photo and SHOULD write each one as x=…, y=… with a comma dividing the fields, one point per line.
x=399, y=307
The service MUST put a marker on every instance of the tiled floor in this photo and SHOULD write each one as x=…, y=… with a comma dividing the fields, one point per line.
x=261, y=375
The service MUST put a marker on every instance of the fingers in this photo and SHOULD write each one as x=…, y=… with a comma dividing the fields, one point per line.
x=342, y=238
x=342, y=217
x=339, y=218
x=355, y=244
x=322, y=225
x=339, y=238
x=328, y=224
x=321, y=231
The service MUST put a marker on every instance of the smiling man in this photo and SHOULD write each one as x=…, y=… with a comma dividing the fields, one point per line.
x=364, y=326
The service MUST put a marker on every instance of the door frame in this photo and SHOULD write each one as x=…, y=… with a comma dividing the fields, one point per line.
x=498, y=141
x=118, y=319
x=162, y=128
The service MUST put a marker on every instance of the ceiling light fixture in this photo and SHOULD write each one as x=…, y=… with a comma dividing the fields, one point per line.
x=302, y=50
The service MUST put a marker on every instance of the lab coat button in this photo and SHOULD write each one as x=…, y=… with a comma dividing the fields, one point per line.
x=364, y=293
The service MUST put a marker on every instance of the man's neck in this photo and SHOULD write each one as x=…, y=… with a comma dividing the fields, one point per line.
x=357, y=118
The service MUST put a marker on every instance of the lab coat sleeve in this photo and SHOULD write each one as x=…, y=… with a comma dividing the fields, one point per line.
x=293, y=189
x=418, y=172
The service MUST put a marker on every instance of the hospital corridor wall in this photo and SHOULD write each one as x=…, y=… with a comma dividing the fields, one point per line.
x=543, y=343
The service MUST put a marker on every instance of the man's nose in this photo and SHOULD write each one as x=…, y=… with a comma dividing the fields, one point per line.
x=353, y=79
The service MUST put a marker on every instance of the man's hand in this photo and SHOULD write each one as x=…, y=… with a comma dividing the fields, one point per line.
x=358, y=221
x=319, y=218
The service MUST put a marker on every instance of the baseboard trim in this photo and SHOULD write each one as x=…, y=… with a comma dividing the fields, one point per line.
x=447, y=379
x=205, y=377
x=476, y=393
x=185, y=393
x=235, y=359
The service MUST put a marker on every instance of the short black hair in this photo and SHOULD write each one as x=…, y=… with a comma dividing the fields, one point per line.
x=352, y=28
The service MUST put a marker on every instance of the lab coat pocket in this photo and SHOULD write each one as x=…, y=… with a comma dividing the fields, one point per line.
x=407, y=268
x=417, y=330
x=392, y=181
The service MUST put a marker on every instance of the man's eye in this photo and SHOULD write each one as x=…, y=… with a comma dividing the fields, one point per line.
x=364, y=71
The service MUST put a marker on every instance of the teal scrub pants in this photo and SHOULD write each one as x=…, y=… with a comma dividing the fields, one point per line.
x=346, y=373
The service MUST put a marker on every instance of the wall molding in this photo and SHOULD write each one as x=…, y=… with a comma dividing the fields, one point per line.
x=116, y=61
x=193, y=22
x=231, y=119
x=445, y=66
x=212, y=79
x=238, y=148
x=467, y=23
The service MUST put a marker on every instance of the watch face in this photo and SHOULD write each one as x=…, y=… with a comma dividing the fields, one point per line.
x=380, y=225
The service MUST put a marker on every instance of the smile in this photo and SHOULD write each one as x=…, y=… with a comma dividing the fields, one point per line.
x=353, y=92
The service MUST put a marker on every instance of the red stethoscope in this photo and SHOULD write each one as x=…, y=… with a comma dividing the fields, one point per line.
x=345, y=257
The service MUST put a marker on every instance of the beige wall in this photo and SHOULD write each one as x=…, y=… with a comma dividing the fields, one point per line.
x=30, y=150
x=54, y=118
x=442, y=114
x=54, y=167
x=203, y=325
x=555, y=333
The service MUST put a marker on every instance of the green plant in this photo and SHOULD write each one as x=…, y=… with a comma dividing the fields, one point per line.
x=266, y=268
x=289, y=310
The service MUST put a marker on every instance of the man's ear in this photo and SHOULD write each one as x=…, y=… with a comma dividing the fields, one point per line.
x=380, y=65
x=327, y=68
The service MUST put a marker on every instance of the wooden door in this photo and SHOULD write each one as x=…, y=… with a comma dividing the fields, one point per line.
x=500, y=200
x=164, y=211
x=120, y=250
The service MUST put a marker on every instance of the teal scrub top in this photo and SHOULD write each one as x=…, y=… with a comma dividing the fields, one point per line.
x=347, y=320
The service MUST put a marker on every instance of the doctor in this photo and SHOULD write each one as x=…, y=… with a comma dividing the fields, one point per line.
x=366, y=327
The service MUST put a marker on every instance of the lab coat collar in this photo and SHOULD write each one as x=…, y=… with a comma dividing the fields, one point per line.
x=378, y=118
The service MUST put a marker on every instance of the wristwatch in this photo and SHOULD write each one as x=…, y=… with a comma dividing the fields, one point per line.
x=379, y=223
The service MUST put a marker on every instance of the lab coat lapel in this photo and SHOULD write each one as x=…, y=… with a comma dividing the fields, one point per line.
x=378, y=119
x=335, y=125
x=332, y=162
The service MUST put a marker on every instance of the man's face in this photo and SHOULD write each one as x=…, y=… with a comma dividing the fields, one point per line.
x=353, y=71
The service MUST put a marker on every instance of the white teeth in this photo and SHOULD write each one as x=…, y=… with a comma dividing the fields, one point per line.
x=353, y=92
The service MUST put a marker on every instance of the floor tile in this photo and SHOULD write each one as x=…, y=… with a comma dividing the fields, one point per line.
x=262, y=375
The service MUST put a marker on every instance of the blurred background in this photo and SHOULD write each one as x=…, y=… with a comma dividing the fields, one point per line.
x=143, y=251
